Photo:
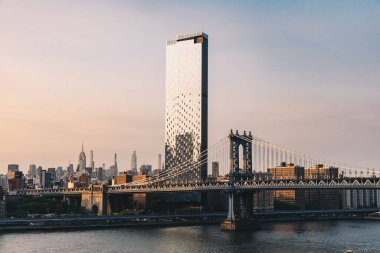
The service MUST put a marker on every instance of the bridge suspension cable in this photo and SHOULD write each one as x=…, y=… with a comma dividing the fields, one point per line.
x=265, y=154
x=283, y=154
x=185, y=167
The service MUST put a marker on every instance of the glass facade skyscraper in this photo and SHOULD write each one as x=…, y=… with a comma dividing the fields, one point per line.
x=186, y=104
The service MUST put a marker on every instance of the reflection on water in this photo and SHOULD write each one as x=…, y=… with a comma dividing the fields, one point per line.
x=301, y=227
x=287, y=237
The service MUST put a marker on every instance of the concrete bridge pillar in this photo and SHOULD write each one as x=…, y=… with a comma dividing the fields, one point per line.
x=240, y=212
x=231, y=214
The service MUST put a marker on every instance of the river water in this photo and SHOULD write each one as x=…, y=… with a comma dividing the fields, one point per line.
x=284, y=237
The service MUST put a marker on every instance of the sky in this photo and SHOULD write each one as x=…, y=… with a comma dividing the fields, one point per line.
x=301, y=74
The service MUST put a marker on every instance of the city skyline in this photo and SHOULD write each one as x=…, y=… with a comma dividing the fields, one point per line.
x=309, y=85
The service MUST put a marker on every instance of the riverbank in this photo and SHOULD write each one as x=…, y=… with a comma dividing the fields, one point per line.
x=200, y=219
x=57, y=228
x=83, y=227
x=104, y=222
x=372, y=218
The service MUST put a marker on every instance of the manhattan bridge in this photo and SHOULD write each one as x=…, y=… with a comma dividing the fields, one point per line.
x=256, y=153
x=240, y=157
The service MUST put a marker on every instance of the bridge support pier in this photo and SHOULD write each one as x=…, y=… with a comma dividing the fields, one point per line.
x=94, y=200
x=240, y=208
x=240, y=212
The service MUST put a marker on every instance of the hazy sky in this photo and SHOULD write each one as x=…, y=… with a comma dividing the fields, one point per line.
x=302, y=74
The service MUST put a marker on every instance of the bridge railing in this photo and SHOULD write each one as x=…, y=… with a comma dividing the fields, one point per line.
x=270, y=184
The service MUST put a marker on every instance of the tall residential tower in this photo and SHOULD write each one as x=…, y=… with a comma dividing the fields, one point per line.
x=134, y=162
x=186, y=103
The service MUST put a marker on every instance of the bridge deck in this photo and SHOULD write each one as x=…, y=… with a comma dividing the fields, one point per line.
x=337, y=184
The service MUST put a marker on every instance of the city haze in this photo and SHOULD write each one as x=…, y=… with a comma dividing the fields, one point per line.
x=303, y=75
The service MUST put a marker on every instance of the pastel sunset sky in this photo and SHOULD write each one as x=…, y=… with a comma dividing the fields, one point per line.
x=301, y=74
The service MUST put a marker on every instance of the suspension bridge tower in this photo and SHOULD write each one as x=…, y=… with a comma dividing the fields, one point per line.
x=240, y=203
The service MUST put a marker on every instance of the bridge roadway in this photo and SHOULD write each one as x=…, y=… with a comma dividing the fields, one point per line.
x=327, y=184
x=320, y=184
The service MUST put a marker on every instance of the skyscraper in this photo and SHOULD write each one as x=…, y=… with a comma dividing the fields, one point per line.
x=92, y=161
x=13, y=167
x=134, y=162
x=114, y=170
x=104, y=171
x=70, y=170
x=115, y=164
x=215, y=169
x=32, y=170
x=186, y=104
x=82, y=161
x=159, y=162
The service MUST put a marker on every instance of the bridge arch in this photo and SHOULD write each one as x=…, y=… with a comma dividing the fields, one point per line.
x=94, y=209
x=240, y=143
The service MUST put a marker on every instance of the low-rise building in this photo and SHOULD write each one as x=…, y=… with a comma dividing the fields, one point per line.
x=124, y=178
x=16, y=180
x=306, y=199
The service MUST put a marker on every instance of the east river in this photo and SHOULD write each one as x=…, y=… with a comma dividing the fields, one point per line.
x=284, y=237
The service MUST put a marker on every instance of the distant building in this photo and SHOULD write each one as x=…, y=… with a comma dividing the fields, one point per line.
x=36, y=182
x=159, y=162
x=88, y=171
x=134, y=162
x=53, y=173
x=70, y=170
x=115, y=164
x=82, y=161
x=38, y=172
x=46, y=179
x=306, y=199
x=104, y=172
x=287, y=171
x=145, y=169
x=3, y=181
x=59, y=173
x=92, y=161
x=113, y=170
x=292, y=198
x=319, y=172
x=13, y=167
x=32, y=170
x=16, y=180
x=131, y=172
x=99, y=173
x=124, y=178
x=215, y=169
x=29, y=182
x=84, y=180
